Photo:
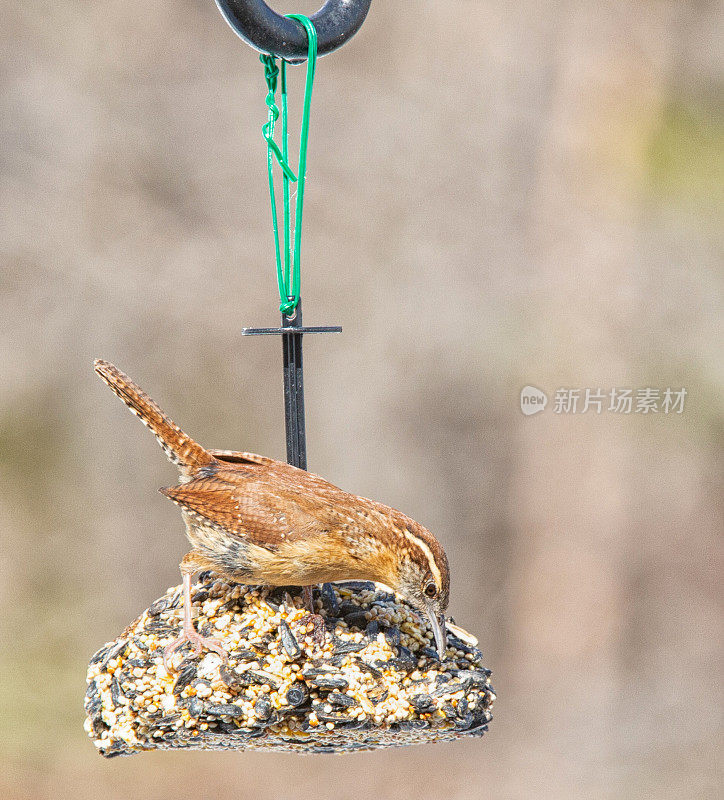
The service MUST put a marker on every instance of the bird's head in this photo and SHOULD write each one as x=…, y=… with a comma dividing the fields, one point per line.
x=423, y=578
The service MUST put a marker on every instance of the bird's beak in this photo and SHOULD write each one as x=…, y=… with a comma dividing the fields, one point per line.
x=438, y=629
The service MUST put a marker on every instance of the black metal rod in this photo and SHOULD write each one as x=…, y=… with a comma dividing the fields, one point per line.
x=292, y=332
x=268, y=32
x=294, y=390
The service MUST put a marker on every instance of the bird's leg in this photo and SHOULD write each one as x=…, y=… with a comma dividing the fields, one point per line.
x=190, y=634
x=317, y=620
x=308, y=595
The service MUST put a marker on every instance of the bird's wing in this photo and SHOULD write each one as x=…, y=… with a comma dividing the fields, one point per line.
x=237, y=457
x=254, y=510
x=273, y=470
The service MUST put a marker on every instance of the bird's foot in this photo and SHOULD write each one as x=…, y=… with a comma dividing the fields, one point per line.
x=319, y=631
x=197, y=642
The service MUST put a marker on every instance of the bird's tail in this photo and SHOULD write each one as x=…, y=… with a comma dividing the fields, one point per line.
x=181, y=449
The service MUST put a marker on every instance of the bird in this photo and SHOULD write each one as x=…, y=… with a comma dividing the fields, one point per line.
x=263, y=522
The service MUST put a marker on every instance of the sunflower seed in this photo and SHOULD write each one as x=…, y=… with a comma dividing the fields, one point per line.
x=357, y=620
x=342, y=648
x=185, y=676
x=224, y=710
x=263, y=709
x=329, y=598
x=289, y=642
x=422, y=703
x=341, y=700
x=327, y=681
x=368, y=668
x=297, y=695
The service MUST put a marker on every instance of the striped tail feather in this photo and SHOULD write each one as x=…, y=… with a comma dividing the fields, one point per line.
x=181, y=449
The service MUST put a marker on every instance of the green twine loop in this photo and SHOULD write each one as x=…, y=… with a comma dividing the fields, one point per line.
x=288, y=272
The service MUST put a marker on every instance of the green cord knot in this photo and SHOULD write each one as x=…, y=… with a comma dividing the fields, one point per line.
x=287, y=306
x=288, y=273
x=271, y=72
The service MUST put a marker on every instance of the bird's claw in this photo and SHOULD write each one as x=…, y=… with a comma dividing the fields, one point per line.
x=197, y=642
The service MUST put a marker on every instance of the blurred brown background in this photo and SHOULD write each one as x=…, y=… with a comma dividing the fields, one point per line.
x=499, y=194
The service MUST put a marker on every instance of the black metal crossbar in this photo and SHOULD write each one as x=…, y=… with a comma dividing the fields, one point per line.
x=292, y=332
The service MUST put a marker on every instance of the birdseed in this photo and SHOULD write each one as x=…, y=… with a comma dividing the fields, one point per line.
x=376, y=680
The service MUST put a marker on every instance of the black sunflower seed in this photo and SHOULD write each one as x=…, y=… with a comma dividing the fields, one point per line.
x=185, y=676
x=116, y=651
x=465, y=721
x=342, y=647
x=244, y=654
x=398, y=664
x=478, y=728
x=348, y=607
x=93, y=709
x=459, y=644
x=312, y=672
x=329, y=598
x=100, y=655
x=98, y=725
x=224, y=710
x=254, y=678
x=226, y=727
x=392, y=635
x=117, y=748
x=422, y=703
x=357, y=586
x=297, y=695
x=160, y=627
x=450, y=687
x=229, y=605
x=368, y=668
x=158, y=607
x=289, y=641
x=357, y=619
x=263, y=709
x=195, y=707
x=378, y=695
x=229, y=677
x=116, y=693
x=341, y=700
x=327, y=681
x=479, y=677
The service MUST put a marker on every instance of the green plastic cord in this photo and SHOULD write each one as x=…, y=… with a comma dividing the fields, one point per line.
x=288, y=268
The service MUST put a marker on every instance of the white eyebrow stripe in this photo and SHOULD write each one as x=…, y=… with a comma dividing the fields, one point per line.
x=428, y=554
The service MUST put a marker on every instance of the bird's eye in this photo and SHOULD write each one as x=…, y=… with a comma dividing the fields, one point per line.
x=430, y=590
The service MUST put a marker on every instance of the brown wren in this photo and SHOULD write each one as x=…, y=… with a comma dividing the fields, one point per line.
x=259, y=521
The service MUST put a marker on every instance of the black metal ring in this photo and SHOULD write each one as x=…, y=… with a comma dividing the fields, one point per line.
x=269, y=32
